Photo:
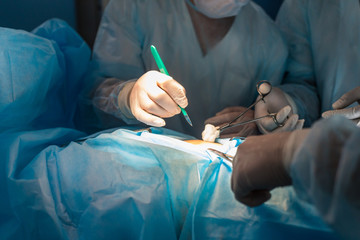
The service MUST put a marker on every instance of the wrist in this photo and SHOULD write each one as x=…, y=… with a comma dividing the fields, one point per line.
x=292, y=146
x=123, y=100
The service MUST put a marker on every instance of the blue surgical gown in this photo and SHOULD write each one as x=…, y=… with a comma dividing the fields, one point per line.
x=324, y=48
x=326, y=172
x=252, y=50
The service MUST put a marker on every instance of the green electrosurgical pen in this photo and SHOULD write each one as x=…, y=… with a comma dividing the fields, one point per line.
x=163, y=70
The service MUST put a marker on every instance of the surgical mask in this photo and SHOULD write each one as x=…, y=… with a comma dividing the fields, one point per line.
x=219, y=8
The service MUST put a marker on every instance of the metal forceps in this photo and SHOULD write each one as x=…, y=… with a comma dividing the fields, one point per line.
x=263, y=88
x=221, y=154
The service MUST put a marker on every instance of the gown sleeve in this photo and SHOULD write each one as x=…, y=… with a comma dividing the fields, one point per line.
x=326, y=172
x=116, y=64
x=300, y=80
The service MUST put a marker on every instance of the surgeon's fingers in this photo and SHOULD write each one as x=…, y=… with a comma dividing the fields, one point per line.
x=299, y=124
x=243, y=192
x=255, y=198
x=147, y=111
x=349, y=113
x=161, y=98
x=153, y=108
x=148, y=118
x=347, y=99
x=269, y=125
x=174, y=89
x=289, y=125
x=140, y=99
x=282, y=115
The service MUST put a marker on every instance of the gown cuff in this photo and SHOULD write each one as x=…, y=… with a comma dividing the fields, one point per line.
x=123, y=100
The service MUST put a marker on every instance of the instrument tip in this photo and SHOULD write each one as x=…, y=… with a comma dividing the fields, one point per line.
x=188, y=120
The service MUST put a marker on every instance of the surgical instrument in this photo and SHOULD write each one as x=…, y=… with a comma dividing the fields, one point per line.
x=272, y=115
x=263, y=88
x=221, y=154
x=163, y=70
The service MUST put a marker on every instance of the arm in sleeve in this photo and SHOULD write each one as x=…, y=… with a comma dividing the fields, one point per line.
x=326, y=172
x=116, y=63
x=300, y=82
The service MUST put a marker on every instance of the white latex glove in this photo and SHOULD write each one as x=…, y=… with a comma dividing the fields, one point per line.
x=276, y=102
x=345, y=100
x=156, y=96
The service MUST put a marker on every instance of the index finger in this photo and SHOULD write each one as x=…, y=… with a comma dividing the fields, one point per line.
x=349, y=113
x=175, y=90
x=347, y=99
x=270, y=125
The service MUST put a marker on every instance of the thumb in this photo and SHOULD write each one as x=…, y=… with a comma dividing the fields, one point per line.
x=299, y=124
x=268, y=124
x=347, y=99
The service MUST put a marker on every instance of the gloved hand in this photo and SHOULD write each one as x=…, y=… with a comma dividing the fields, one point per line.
x=156, y=96
x=276, y=102
x=345, y=100
x=226, y=115
x=262, y=163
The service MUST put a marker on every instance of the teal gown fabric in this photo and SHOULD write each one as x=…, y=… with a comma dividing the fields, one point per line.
x=326, y=173
x=324, y=52
x=251, y=51
x=40, y=76
x=59, y=183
